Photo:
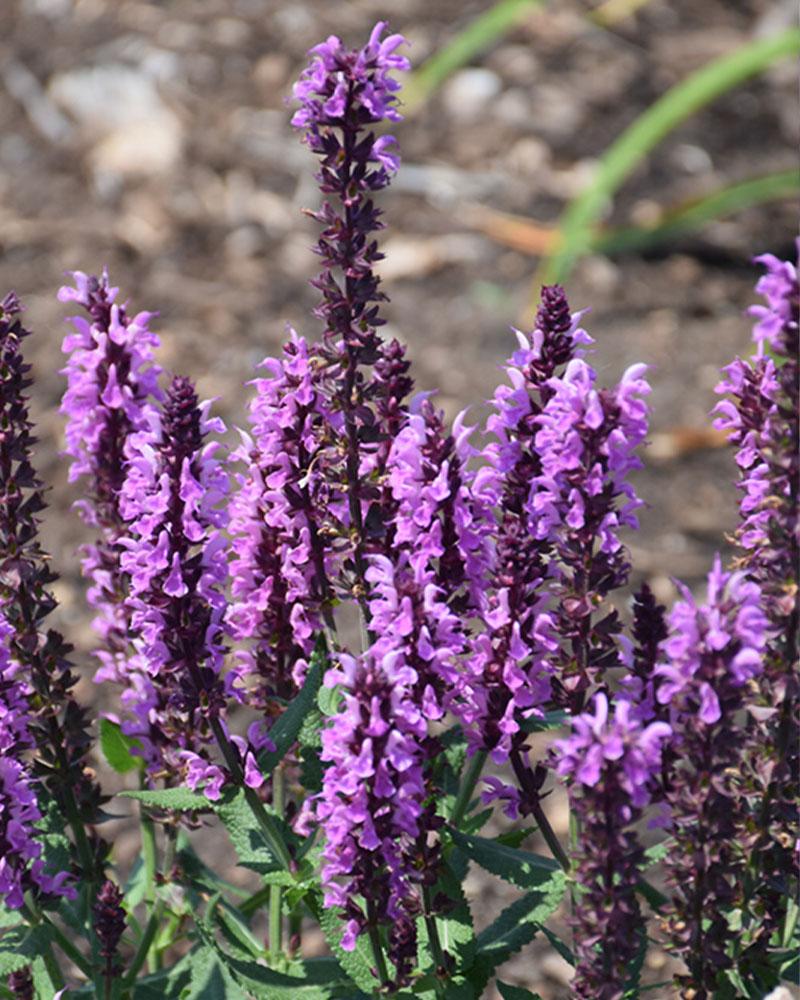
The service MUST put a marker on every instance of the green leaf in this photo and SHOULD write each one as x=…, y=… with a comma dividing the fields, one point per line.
x=177, y=799
x=634, y=970
x=550, y=720
x=251, y=848
x=285, y=731
x=169, y=984
x=19, y=946
x=260, y=981
x=655, y=855
x=521, y=868
x=509, y=992
x=454, y=926
x=116, y=747
x=695, y=214
x=478, y=36
x=516, y=926
x=210, y=980
x=630, y=149
x=560, y=946
x=357, y=964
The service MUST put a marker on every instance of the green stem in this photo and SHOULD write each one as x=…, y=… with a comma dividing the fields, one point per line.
x=468, y=782
x=34, y=917
x=149, y=852
x=275, y=891
x=268, y=826
x=377, y=953
x=550, y=837
x=154, y=922
x=256, y=901
x=433, y=936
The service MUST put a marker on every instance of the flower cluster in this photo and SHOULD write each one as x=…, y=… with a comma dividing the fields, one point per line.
x=373, y=797
x=282, y=564
x=112, y=384
x=510, y=661
x=174, y=556
x=57, y=724
x=762, y=418
x=586, y=441
x=612, y=763
x=713, y=652
x=343, y=93
x=22, y=865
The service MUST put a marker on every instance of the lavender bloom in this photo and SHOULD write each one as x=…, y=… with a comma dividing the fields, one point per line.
x=175, y=559
x=509, y=665
x=409, y=675
x=281, y=566
x=612, y=765
x=111, y=386
x=343, y=93
x=761, y=417
x=21, y=863
x=371, y=804
x=586, y=440
x=713, y=653
x=57, y=724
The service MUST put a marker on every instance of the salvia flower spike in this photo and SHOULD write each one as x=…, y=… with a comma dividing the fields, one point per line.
x=175, y=558
x=112, y=385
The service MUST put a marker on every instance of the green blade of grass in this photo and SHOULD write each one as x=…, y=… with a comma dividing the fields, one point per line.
x=478, y=35
x=725, y=201
x=669, y=111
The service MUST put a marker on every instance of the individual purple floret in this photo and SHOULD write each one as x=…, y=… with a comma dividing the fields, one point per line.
x=112, y=384
x=21, y=855
x=714, y=652
x=281, y=565
x=762, y=416
x=343, y=93
x=586, y=441
x=612, y=763
x=175, y=559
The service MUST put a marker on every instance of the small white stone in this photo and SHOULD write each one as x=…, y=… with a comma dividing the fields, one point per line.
x=468, y=92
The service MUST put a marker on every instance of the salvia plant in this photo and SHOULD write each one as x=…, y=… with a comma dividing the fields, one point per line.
x=351, y=768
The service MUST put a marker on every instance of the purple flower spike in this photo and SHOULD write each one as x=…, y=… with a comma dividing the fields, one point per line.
x=710, y=659
x=280, y=570
x=578, y=503
x=57, y=724
x=372, y=802
x=612, y=763
x=175, y=559
x=21, y=862
x=343, y=93
x=112, y=384
x=509, y=665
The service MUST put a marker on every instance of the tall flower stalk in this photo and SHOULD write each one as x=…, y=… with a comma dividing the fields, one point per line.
x=612, y=763
x=713, y=652
x=175, y=558
x=57, y=724
x=112, y=386
x=343, y=94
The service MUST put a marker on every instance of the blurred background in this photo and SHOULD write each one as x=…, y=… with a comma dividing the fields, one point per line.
x=153, y=137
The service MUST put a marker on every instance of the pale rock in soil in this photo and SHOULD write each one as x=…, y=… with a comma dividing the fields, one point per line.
x=466, y=93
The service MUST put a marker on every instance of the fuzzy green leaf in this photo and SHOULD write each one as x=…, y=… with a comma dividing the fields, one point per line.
x=521, y=868
x=116, y=747
x=285, y=731
x=177, y=799
x=357, y=964
x=20, y=945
